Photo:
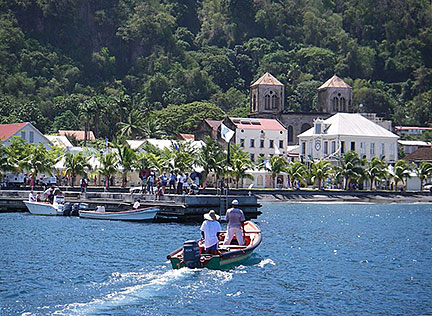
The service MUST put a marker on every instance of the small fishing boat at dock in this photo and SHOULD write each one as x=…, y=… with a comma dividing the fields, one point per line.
x=192, y=254
x=46, y=208
x=141, y=214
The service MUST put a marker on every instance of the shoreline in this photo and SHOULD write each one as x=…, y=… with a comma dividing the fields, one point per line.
x=324, y=197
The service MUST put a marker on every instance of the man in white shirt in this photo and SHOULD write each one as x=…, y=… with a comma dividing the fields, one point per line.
x=235, y=218
x=210, y=230
x=31, y=197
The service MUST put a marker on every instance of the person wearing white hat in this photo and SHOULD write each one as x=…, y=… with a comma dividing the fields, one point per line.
x=210, y=230
x=235, y=218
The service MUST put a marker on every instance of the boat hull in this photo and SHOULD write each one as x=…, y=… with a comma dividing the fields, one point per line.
x=146, y=214
x=41, y=208
x=228, y=255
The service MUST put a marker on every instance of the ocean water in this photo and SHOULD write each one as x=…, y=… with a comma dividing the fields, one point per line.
x=315, y=259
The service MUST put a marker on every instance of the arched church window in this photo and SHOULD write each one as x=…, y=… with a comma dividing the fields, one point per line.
x=290, y=134
x=274, y=101
x=343, y=105
x=267, y=102
x=335, y=104
x=254, y=105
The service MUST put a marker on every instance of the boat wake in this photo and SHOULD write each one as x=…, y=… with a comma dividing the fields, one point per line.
x=147, y=284
x=265, y=262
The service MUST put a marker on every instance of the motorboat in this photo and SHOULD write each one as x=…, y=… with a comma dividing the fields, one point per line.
x=140, y=214
x=46, y=208
x=192, y=253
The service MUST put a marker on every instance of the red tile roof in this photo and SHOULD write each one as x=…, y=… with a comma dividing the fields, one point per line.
x=78, y=135
x=213, y=124
x=7, y=130
x=334, y=82
x=186, y=136
x=267, y=79
x=258, y=123
x=421, y=154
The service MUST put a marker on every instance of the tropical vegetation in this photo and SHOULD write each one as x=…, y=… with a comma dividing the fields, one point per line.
x=158, y=67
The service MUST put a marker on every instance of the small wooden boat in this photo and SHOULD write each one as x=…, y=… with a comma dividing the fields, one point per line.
x=192, y=255
x=141, y=214
x=46, y=208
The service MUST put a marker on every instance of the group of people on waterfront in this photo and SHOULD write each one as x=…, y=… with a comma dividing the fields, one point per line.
x=211, y=228
x=47, y=196
x=172, y=183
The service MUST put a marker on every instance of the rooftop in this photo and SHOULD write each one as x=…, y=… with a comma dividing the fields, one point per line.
x=8, y=130
x=257, y=123
x=351, y=124
x=334, y=82
x=421, y=154
x=267, y=79
x=78, y=135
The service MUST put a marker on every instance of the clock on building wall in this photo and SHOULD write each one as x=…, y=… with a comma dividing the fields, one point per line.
x=317, y=144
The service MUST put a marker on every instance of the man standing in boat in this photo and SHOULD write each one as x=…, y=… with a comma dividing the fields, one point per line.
x=235, y=219
x=210, y=230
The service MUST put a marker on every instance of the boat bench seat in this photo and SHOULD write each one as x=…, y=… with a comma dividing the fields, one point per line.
x=231, y=247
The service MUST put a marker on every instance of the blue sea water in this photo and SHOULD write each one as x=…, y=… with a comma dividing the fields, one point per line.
x=315, y=259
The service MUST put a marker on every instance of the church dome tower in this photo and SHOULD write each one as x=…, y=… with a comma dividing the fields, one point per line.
x=267, y=95
x=334, y=96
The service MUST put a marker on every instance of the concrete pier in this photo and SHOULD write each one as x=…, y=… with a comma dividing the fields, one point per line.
x=177, y=208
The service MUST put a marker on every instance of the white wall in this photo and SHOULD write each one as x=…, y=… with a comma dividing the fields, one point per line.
x=390, y=146
x=257, y=136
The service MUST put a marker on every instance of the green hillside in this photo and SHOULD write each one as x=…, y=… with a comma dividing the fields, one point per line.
x=129, y=66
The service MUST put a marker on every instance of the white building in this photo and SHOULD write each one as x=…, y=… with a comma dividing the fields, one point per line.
x=25, y=131
x=345, y=132
x=255, y=136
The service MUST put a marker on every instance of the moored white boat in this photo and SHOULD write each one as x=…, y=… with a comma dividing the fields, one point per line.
x=46, y=208
x=142, y=214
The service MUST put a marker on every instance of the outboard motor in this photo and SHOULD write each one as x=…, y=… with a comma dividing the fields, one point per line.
x=191, y=254
x=67, y=209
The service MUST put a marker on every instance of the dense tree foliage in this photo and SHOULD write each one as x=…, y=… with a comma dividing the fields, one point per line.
x=94, y=64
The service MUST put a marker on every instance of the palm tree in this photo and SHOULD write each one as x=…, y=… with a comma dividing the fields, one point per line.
x=75, y=165
x=297, y=171
x=401, y=171
x=127, y=157
x=240, y=163
x=276, y=166
x=132, y=125
x=352, y=170
x=155, y=161
x=7, y=161
x=108, y=166
x=87, y=112
x=37, y=159
x=376, y=170
x=151, y=128
x=320, y=171
x=211, y=158
x=423, y=171
x=180, y=156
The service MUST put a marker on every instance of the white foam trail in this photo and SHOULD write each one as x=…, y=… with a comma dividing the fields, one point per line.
x=266, y=261
x=152, y=283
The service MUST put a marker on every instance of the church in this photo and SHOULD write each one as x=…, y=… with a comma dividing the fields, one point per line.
x=267, y=101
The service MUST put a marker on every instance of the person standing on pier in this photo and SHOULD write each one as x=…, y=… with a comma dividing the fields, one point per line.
x=235, y=218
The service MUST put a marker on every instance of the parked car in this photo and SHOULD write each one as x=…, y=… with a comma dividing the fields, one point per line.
x=427, y=187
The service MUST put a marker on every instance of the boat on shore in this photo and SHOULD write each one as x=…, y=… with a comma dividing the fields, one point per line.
x=192, y=254
x=46, y=208
x=141, y=214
